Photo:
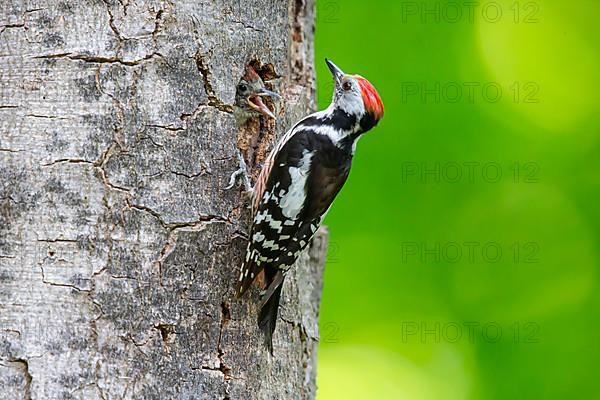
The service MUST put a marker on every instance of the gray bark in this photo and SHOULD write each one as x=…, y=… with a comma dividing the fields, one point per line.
x=119, y=248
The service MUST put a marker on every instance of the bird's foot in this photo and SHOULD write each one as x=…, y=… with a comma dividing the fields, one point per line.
x=242, y=172
x=234, y=176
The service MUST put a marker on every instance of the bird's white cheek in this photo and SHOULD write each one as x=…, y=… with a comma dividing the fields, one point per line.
x=352, y=104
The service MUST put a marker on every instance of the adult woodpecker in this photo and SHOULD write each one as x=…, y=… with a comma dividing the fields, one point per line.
x=300, y=179
x=248, y=97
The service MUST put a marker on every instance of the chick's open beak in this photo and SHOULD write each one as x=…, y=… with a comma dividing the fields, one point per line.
x=257, y=104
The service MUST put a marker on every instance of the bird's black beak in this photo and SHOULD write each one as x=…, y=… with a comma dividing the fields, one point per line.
x=257, y=104
x=335, y=71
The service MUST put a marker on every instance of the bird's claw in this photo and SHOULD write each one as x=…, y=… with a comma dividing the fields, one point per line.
x=243, y=172
x=233, y=178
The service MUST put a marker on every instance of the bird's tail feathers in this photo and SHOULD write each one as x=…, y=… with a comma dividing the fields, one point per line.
x=267, y=318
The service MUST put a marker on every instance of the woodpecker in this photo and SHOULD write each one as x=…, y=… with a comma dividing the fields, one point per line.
x=248, y=102
x=297, y=184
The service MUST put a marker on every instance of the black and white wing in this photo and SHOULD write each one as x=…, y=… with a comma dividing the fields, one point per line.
x=296, y=187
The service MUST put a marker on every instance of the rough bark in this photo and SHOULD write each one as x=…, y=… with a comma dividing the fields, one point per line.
x=119, y=248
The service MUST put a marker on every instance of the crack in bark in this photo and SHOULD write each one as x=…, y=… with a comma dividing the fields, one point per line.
x=101, y=59
x=111, y=23
x=19, y=24
x=173, y=229
x=143, y=208
x=301, y=328
x=165, y=251
x=59, y=240
x=138, y=346
x=18, y=332
x=166, y=330
x=67, y=285
x=157, y=23
x=68, y=161
x=109, y=260
x=202, y=219
x=172, y=235
x=204, y=172
x=166, y=333
x=118, y=131
x=213, y=100
x=44, y=116
x=222, y=367
x=166, y=127
x=155, y=143
x=246, y=25
x=101, y=163
x=110, y=185
x=185, y=117
x=22, y=365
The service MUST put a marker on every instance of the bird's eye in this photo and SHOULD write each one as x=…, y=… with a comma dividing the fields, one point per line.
x=242, y=87
x=347, y=85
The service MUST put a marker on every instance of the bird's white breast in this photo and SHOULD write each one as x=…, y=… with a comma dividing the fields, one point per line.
x=293, y=200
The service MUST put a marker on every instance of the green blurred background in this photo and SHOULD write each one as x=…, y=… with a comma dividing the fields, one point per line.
x=404, y=314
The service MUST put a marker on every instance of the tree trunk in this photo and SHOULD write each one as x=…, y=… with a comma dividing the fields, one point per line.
x=119, y=247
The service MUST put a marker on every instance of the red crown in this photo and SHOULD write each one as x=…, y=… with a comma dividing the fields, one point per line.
x=373, y=103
